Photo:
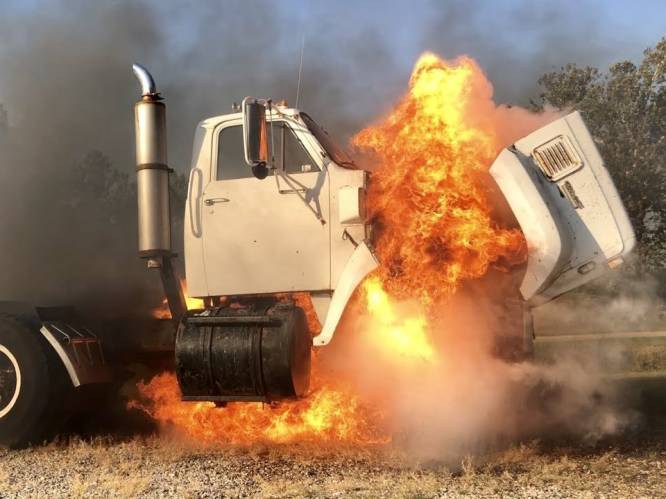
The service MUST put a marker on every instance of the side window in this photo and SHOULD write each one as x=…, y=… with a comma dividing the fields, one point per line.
x=230, y=155
x=289, y=152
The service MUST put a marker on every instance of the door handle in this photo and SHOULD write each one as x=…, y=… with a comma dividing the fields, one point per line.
x=212, y=201
x=292, y=191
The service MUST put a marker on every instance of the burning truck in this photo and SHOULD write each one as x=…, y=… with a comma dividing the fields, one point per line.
x=274, y=207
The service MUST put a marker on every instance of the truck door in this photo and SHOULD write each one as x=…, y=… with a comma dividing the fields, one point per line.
x=266, y=235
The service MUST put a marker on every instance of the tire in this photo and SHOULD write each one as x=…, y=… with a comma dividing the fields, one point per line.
x=34, y=386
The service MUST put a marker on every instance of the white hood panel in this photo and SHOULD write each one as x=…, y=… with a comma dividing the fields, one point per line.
x=567, y=206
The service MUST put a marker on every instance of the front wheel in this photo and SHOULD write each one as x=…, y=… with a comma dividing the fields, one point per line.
x=34, y=386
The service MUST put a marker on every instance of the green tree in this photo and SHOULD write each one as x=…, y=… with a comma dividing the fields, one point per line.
x=625, y=108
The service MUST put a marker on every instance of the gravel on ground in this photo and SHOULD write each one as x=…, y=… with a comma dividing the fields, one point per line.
x=631, y=466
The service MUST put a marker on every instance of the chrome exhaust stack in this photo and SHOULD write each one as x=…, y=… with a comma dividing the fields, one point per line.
x=152, y=172
x=152, y=186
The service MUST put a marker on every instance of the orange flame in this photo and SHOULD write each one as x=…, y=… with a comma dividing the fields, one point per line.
x=429, y=202
x=395, y=333
x=428, y=196
x=329, y=414
x=163, y=311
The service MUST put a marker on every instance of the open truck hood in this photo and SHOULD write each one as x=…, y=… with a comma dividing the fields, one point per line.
x=567, y=206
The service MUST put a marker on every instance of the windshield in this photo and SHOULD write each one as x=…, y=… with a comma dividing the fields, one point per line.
x=334, y=151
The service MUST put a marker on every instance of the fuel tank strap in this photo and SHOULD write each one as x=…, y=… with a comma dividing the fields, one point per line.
x=262, y=320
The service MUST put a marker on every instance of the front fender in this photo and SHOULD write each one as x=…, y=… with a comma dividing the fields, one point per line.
x=360, y=264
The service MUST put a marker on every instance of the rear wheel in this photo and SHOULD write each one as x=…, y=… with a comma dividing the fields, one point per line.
x=10, y=381
x=34, y=387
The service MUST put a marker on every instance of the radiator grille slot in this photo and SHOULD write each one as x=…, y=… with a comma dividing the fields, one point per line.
x=557, y=158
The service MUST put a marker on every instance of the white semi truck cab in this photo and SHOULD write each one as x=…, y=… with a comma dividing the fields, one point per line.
x=274, y=206
x=293, y=228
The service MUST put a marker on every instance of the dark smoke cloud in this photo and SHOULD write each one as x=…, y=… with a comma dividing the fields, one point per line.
x=521, y=41
x=68, y=223
x=68, y=236
x=66, y=82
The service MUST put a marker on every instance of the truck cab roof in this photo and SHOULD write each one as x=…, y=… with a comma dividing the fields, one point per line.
x=280, y=112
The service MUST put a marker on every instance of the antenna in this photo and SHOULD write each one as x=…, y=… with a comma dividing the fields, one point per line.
x=300, y=71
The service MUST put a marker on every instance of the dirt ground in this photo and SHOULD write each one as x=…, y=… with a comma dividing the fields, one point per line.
x=633, y=465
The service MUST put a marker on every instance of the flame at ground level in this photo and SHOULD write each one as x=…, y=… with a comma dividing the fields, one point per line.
x=327, y=415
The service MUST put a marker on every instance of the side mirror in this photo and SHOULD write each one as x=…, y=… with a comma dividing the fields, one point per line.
x=255, y=132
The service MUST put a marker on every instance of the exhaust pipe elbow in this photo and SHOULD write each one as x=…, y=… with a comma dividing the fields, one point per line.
x=146, y=80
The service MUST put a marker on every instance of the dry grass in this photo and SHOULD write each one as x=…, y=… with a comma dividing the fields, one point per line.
x=649, y=358
x=629, y=467
x=4, y=480
x=121, y=482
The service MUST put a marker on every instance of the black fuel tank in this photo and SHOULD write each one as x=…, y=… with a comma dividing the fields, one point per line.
x=242, y=355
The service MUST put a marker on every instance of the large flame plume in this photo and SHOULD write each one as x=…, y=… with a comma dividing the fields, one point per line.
x=429, y=192
x=430, y=203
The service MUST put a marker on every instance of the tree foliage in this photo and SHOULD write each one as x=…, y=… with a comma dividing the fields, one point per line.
x=625, y=108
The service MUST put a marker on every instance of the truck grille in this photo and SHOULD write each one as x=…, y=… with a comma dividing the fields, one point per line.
x=557, y=158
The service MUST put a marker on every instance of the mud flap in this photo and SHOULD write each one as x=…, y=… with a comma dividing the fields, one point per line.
x=78, y=348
